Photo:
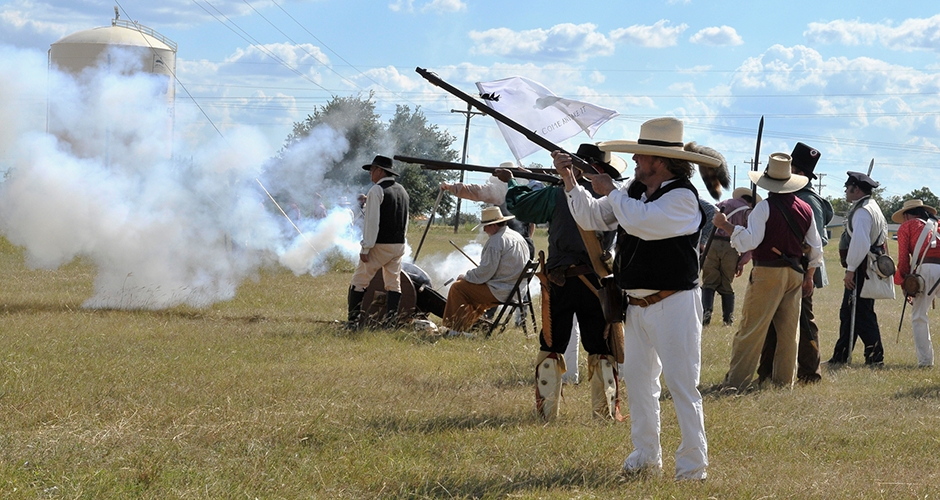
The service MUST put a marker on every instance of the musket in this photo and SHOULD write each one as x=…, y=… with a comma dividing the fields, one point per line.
x=760, y=132
x=437, y=202
x=897, y=340
x=464, y=253
x=854, y=301
x=580, y=163
x=871, y=166
x=429, y=164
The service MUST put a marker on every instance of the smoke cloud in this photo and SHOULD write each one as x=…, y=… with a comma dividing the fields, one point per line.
x=160, y=230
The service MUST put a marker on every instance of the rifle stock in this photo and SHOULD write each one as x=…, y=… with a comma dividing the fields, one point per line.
x=428, y=164
x=577, y=161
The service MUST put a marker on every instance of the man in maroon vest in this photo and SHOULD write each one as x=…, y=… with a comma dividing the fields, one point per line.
x=776, y=231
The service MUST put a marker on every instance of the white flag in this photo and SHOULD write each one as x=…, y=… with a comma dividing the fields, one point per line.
x=538, y=109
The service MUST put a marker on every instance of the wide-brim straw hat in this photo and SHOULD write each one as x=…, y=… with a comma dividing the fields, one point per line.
x=908, y=205
x=740, y=192
x=492, y=215
x=777, y=177
x=383, y=162
x=660, y=137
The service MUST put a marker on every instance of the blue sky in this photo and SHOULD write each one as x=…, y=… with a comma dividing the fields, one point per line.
x=856, y=80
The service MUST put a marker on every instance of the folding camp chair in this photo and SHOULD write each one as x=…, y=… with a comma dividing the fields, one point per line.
x=520, y=299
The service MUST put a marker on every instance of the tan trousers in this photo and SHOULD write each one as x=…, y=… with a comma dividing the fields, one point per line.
x=719, y=267
x=773, y=295
x=466, y=302
x=384, y=256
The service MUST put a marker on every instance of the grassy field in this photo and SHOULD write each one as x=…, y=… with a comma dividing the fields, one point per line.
x=265, y=397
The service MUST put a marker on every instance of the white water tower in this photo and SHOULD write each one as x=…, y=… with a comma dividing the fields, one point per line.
x=95, y=48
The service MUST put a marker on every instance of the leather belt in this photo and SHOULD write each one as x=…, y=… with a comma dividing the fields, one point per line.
x=578, y=270
x=931, y=260
x=722, y=238
x=650, y=299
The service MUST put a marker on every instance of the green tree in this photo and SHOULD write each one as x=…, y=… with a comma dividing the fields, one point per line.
x=407, y=133
x=355, y=118
x=414, y=136
x=894, y=203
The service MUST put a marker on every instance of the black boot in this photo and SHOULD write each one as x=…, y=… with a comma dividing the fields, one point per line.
x=708, y=302
x=354, y=300
x=392, y=299
x=727, y=309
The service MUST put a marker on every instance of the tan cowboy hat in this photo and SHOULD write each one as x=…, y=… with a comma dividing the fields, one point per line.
x=909, y=204
x=492, y=215
x=507, y=164
x=740, y=192
x=660, y=137
x=777, y=177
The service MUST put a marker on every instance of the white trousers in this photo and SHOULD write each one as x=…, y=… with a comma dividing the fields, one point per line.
x=666, y=339
x=919, y=323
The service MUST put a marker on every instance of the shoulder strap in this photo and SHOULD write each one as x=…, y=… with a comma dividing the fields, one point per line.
x=773, y=200
x=930, y=227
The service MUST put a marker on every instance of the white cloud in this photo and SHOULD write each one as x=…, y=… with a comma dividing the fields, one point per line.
x=576, y=42
x=656, y=36
x=717, y=36
x=912, y=34
x=402, y=6
x=272, y=58
x=444, y=6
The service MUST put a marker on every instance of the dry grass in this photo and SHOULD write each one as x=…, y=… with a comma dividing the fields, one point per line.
x=262, y=397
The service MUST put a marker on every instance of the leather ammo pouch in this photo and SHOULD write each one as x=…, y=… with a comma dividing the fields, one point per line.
x=610, y=295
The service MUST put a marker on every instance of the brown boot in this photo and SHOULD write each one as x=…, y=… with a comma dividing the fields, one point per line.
x=605, y=387
x=548, y=371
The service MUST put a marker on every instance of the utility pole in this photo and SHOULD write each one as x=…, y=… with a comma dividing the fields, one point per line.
x=463, y=159
x=734, y=178
x=820, y=185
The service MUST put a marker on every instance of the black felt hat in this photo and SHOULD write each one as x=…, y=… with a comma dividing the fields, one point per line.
x=610, y=163
x=383, y=162
x=860, y=179
x=804, y=158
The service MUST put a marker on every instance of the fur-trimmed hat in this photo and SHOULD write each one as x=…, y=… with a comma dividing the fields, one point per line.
x=663, y=137
x=383, y=162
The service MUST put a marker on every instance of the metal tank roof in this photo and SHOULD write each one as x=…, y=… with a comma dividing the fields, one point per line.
x=120, y=33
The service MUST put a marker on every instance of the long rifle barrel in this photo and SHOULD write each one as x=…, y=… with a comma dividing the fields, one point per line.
x=429, y=164
x=546, y=144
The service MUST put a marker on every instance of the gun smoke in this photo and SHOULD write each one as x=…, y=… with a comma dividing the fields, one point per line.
x=100, y=185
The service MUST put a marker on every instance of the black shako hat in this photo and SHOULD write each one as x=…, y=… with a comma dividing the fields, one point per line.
x=804, y=158
x=612, y=164
x=383, y=162
x=861, y=180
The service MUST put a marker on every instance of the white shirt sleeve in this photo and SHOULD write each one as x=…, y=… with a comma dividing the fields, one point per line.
x=370, y=227
x=744, y=239
x=861, y=239
x=815, y=242
x=592, y=214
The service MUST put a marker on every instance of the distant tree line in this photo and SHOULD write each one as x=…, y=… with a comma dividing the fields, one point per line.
x=406, y=133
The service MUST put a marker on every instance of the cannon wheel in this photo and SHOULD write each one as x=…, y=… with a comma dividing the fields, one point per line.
x=373, y=303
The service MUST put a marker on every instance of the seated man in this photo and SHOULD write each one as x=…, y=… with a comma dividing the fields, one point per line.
x=505, y=253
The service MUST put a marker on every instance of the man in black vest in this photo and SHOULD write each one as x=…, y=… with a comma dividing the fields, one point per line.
x=660, y=223
x=383, y=240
